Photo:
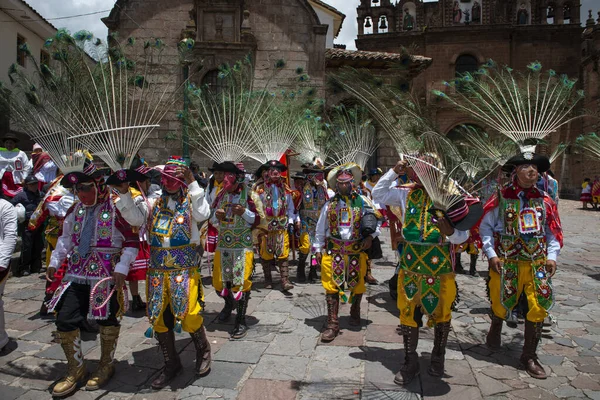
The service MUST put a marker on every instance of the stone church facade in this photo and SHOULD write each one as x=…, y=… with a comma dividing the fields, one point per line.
x=459, y=35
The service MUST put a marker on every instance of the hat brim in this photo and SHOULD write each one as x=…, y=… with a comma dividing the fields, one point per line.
x=13, y=138
x=354, y=168
x=229, y=167
x=81, y=178
x=281, y=167
x=130, y=175
x=474, y=215
x=542, y=163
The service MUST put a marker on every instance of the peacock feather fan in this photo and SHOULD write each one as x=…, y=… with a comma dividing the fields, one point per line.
x=520, y=105
x=590, y=143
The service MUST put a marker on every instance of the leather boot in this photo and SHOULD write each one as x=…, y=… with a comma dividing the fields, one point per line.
x=355, y=310
x=108, y=344
x=301, y=270
x=369, y=277
x=284, y=270
x=225, y=313
x=473, y=266
x=240, y=328
x=267, y=271
x=458, y=267
x=137, y=304
x=203, y=356
x=410, y=369
x=438, y=354
x=333, y=323
x=494, y=336
x=529, y=359
x=76, y=372
x=166, y=341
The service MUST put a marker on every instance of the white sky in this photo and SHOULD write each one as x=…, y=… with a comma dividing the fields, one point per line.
x=60, y=8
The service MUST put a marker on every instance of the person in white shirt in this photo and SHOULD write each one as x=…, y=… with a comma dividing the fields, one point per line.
x=347, y=224
x=14, y=166
x=8, y=241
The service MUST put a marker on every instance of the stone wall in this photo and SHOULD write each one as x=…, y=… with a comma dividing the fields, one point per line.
x=273, y=29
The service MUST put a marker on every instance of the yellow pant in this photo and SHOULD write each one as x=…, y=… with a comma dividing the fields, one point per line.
x=193, y=319
x=265, y=255
x=443, y=313
x=216, y=276
x=327, y=275
x=304, y=243
x=536, y=312
x=51, y=241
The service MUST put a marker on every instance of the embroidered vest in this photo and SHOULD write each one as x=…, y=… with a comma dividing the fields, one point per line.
x=313, y=200
x=512, y=243
x=275, y=206
x=234, y=232
x=345, y=215
x=174, y=224
x=103, y=256
x=424, y=252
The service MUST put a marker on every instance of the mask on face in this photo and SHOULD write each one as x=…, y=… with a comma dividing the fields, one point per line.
x=169, y=181
x=274, y=175
x=229, y=182
x=87, y=193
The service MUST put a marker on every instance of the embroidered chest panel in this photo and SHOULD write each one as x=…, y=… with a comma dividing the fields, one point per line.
x=313, y=198
x=345, y=215
x=174, y=224
x=523, y=237
x=418, y=222
x=234, y=231
x=275, y=207
x=104, y=224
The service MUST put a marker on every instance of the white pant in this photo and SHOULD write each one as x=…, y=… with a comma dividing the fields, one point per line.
x=3, y=334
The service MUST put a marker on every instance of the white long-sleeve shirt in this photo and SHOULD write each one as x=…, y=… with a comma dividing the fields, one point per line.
x=322, y=231
x=65, y=244
x=386, y=194
x=8, y=233
x=492, y=223
x=14, y=161
x=136, y=213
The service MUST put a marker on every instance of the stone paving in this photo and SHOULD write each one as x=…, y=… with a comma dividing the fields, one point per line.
x=282, y=357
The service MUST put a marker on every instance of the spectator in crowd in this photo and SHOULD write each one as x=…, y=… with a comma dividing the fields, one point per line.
x=8, y=241
x=14, y=166
x=32, y=242
x=42, y=165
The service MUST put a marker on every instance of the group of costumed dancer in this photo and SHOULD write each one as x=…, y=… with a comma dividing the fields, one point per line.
x=119, y=224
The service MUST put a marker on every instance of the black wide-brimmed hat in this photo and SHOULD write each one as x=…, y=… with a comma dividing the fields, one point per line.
x=10, y=136
x=229, y=167
x=542, y=162
x=298, y=175
x=90, y=172
x=138, y=172
x=270, y=164
x=30, y=179
x=463, y=215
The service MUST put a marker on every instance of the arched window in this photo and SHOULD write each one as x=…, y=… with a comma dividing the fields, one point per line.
x=550, y=14
x=567, y=14
x=214, y=83
x=375, y=3
x=368, y=26
x=465, y=63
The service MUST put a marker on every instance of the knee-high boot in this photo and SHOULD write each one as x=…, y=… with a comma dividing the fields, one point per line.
x=438, y=354
x=225, y=313
x=203, y=356
x=241, y=329
x=369, y=277
x=301, y=270
x=333, y=323
x=473, y=266
x=108, y=344
x=166, y=341
x=267, y=264
x=529, y=359
x=355, y=310
x=284, y=270
x=410, y=369
x=71, y=345
x=494, y=336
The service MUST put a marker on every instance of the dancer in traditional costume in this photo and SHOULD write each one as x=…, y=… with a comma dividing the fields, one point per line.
x=596, y=192
x=276, y=208
x=215, y=184
x=51, y=211
x=313, y=198
x=346, y=227
x=234, y=215
x=522, y=237
x=42, y=165
x=174, y=287
x=98, y=245
x=14, y=166
x=426, y=283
